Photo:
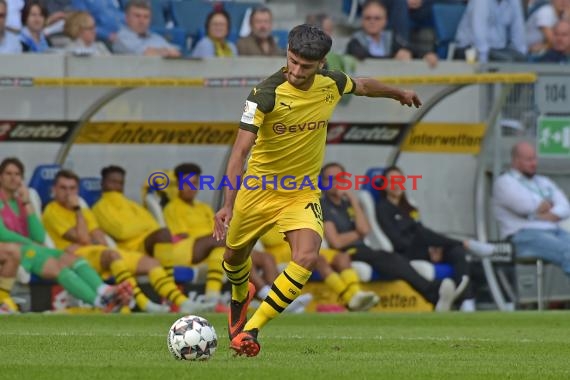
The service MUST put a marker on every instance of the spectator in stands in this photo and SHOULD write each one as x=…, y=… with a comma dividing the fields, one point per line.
x=560, y=50
x=135, y=229
x=494, y=29
x=334, y=61
x=80, y=27
x=73, y=227
x=333, y=266
x=20, y=226
x=14, y=15
x=32, y=36
x=187, y=216
x=540, y=19
x=374, y=41
x=9, y=41
x=260, y=41
x=216, y=43
x=346, y=227
x=57, y=11
x=136, y=37
x=107, y=14
x=529, y=208
x=9, y=263
x=399, y=220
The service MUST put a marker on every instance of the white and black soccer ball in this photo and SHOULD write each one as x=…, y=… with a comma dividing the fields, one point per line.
x=192, y=338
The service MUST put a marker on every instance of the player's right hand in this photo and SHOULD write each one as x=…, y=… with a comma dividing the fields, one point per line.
x=222, y=222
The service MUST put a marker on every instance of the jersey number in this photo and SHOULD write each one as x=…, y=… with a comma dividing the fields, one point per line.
x=316, y=209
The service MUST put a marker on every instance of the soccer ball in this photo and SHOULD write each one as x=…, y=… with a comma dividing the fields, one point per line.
x=192, y=338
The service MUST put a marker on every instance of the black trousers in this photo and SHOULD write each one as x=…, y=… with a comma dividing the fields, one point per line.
x=395, y=266
x=453, y=253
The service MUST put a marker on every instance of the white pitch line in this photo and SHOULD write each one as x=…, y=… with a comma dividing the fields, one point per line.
x=320, y=337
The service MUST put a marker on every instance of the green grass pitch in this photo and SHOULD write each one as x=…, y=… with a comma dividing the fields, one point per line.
x=484, y=345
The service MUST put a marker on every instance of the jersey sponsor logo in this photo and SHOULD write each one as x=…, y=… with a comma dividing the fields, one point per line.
x=248, y=112
x=52, y=131
x=280, y=128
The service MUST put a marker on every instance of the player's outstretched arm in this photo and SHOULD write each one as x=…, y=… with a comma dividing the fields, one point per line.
x=240, y=151
x=372, y=88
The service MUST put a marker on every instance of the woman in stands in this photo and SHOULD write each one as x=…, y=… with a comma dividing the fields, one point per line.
x=216, y=43
x=81, y=28
x=399, y=220
x=32, y=37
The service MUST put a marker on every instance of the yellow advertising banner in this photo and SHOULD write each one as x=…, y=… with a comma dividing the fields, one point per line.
x=445, y=138
x=143, y=132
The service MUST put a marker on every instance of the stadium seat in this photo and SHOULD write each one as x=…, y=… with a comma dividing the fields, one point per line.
x=371, y=173
x=281, y=36
x=152, y=203
x=42, y=181
x=191, y=15
x=90, y=189
x=446, y=18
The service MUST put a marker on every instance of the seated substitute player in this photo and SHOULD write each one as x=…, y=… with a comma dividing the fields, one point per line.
x=20, y=225
x=187, y=216
x=284, y=121
x=135, y=229
x=333, y=266
x=346, y=227
x=75, y=228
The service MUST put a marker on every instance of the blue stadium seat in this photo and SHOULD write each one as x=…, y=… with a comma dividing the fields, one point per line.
x=90, y=189
x=371, y=173
x=42, y=181
x=281, y=36
x=446, y=18
x=191, y=15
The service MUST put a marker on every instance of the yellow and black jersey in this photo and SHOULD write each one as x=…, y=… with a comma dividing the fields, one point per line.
x=291, y=127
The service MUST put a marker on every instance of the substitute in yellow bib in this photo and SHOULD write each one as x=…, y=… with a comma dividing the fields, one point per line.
x=72, y=226
x=283, y=126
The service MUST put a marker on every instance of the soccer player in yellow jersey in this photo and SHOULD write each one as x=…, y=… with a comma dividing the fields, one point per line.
x=186, y=215
x=9, y=263
x=334, y=267
x=73, y=227
x=285, y=117
x=135, y=229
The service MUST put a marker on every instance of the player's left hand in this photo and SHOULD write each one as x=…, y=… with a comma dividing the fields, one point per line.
x=410, y=98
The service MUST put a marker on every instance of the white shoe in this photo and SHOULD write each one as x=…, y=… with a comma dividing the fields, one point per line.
x=300, y=303
x=446, y=295
x=468, y=306
x=362, y=301
x=191, y=307
x=157, y=308
x=480, y=248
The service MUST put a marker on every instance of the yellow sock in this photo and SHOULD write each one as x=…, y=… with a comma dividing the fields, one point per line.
x=338, y=286
x=238, y=276
x=285, y=289
x=164, y=253
x=121, y=274
x=215, y=273
x=6, y=285
x=352, y=281
x=165, y=286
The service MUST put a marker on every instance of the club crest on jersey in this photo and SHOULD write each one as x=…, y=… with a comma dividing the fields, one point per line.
x=329, y=97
